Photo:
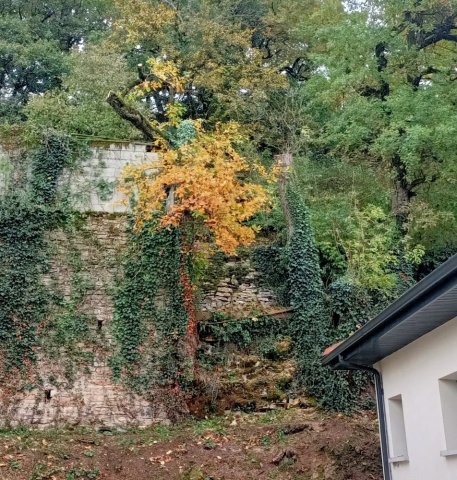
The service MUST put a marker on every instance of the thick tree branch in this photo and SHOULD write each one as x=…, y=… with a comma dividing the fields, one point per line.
x=142, y=77
x=435, y=38
x=419, y=36
x=450, y=37
x=383, y=90
x=420, y=181
x=300, y=70
x=48, y=16
x=136, y=118
x=131, y=86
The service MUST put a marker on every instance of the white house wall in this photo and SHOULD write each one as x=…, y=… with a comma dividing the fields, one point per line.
x=413, y=374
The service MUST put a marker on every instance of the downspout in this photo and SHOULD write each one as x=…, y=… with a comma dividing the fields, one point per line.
x=381, y=412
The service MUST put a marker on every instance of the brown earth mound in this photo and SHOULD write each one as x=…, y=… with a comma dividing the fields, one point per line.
x=284, y=444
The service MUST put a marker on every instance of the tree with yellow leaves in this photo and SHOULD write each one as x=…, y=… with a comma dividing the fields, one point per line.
x=201, y=181
x=231, y=54
x=202, y=185
x=200, y=64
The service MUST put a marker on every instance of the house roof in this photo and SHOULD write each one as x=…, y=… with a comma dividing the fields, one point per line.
x=427, y=305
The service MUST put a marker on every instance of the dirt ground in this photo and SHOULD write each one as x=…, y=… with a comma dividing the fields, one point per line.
x=298, y=444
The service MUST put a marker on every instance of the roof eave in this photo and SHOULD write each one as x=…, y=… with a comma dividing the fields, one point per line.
x=445, y=275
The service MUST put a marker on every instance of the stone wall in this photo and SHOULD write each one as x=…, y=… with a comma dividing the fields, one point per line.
x=239, y=292
x=94, y=184
x=91, y=399
x=97, y=246
x=88, y=396
x=72, y=391
x=64, y=391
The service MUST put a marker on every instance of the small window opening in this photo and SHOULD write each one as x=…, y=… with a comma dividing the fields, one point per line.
x=397, y=428
x=148, y=148
x=448, y=394
x=99, y=325
x=47, y=395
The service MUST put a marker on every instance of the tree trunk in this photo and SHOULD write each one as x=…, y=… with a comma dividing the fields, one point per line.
x=285, y=161
x=188, y=289
x=136, y=118
x=401, y=199
x=401, y=195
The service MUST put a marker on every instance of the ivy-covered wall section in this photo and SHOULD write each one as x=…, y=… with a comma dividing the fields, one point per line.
x=28, y=211
x=91, y=317
x=70, y=381
x=60, y=271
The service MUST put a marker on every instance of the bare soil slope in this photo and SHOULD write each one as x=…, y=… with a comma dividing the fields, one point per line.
x=298, y=444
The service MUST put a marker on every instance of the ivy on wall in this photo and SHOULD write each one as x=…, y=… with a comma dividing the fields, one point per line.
x=34, y=313
x=149, y=320
x=272, y=262
x=23, y=298
x=68, y=323
x=28, y=211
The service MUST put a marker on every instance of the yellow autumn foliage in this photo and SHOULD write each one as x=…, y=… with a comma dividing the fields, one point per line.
x=211, y=187
x=166, y=74
x=135, y=17
x=213, y=53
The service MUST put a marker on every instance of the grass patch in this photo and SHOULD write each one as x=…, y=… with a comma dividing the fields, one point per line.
x=213, y=425
x=271, y=417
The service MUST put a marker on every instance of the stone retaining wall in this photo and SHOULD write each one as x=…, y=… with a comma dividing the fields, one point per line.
x=93, y=186
x=94, y=253
x=87, y=396
x=91, y=397
x=241, y=293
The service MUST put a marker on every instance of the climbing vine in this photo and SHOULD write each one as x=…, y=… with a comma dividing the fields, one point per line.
x=35, y=209
x=23, y=299
x=150, y=320
x=310, y=325
x=271, y=262
x=28, y=210
x=68, y=322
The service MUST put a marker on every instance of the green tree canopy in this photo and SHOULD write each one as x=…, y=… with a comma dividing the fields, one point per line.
x=79, y=105
x=33, y=37
x=379, y=114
